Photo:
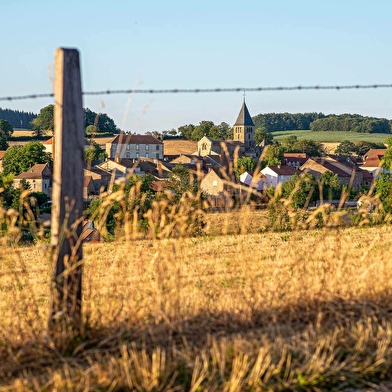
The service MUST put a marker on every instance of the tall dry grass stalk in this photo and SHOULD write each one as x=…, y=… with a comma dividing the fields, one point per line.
x=248, y=310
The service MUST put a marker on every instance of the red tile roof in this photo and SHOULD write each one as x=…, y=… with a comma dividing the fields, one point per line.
x=284, y=170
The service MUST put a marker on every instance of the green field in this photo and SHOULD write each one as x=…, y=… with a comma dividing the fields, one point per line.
x=332, y=136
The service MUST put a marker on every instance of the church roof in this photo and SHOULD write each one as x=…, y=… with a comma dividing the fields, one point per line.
x=244, y=117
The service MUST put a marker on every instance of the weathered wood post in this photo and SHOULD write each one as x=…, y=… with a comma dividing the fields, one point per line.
x=67, y=196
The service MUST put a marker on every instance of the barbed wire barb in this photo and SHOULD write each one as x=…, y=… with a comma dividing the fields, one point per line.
x=207, y=90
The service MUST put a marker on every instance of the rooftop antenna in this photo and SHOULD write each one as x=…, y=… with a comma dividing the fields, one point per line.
x=244, y=95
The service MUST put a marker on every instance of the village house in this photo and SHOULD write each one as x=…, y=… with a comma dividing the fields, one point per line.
x=278, y=174
x=219, y=189
x=48, y=144
x=135, y=146
x=39, y=177
x=372, y=161
x=127, y=167
x=256, y=181
x=348, y=173
x=295, y=159
x=347, y=163
x=201, y=164
x=89, y=189
x=317, y=166
x=194, y=162
x=100, y=177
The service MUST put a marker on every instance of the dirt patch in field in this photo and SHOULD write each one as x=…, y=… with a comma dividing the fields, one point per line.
x=330, y=147
x=22, y=132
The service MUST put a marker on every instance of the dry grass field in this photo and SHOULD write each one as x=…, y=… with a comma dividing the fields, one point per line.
x=244, y=311
x=22, y=132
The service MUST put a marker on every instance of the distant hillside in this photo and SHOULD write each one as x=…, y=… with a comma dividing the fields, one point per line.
x=17, y=118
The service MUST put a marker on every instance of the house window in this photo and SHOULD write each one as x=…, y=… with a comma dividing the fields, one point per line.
x=146, y=154
x=215, y=183
x=137, y=147
x=157, y=155
x=137, y=155
x=128, y=147
x=128, y=154
x=157, y=148
x=147, y=147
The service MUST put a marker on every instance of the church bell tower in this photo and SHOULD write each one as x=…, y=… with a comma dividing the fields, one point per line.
x=244, y=128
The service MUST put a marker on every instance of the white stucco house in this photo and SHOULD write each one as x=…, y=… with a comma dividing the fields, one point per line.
x=275, y=175
x=256, y=181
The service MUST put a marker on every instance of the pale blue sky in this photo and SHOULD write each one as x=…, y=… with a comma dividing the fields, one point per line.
x=156, y=44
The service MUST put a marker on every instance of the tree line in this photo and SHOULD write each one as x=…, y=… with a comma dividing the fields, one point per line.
x=352, y=123
x=266, y=124
x=271, y=122
x=94, y=123
x=17, y=118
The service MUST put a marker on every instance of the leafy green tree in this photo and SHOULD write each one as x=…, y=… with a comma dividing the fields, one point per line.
x=3, y=143
x=330, y=186
x=273, y=156
x=383, y=182
x=186, y=131
x=346, y=148
x=18, y=159
x=95, y=153
x=202, y=129
x=226, y=131
x=6, y=131
x=44, y=121
x=300, y=190
x=364, y=146
x=310, y=147
x=102, y=122
x=288, y=142
x=6, y=180
x=262, y=134
x=114, y=215
x=245, y=164
x=6, y=128
x=91, y=130
x=215, y=133
x=180, y=181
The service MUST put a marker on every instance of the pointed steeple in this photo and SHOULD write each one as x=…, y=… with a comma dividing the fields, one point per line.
x=244, y=117
x=244, y=127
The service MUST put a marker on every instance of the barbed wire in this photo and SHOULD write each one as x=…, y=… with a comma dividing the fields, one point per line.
x=206, y=90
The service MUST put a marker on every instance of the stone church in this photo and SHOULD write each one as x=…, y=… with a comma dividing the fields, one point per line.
x=244, y=138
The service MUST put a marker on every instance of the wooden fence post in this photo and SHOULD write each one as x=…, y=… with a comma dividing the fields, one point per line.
x=67, y=196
